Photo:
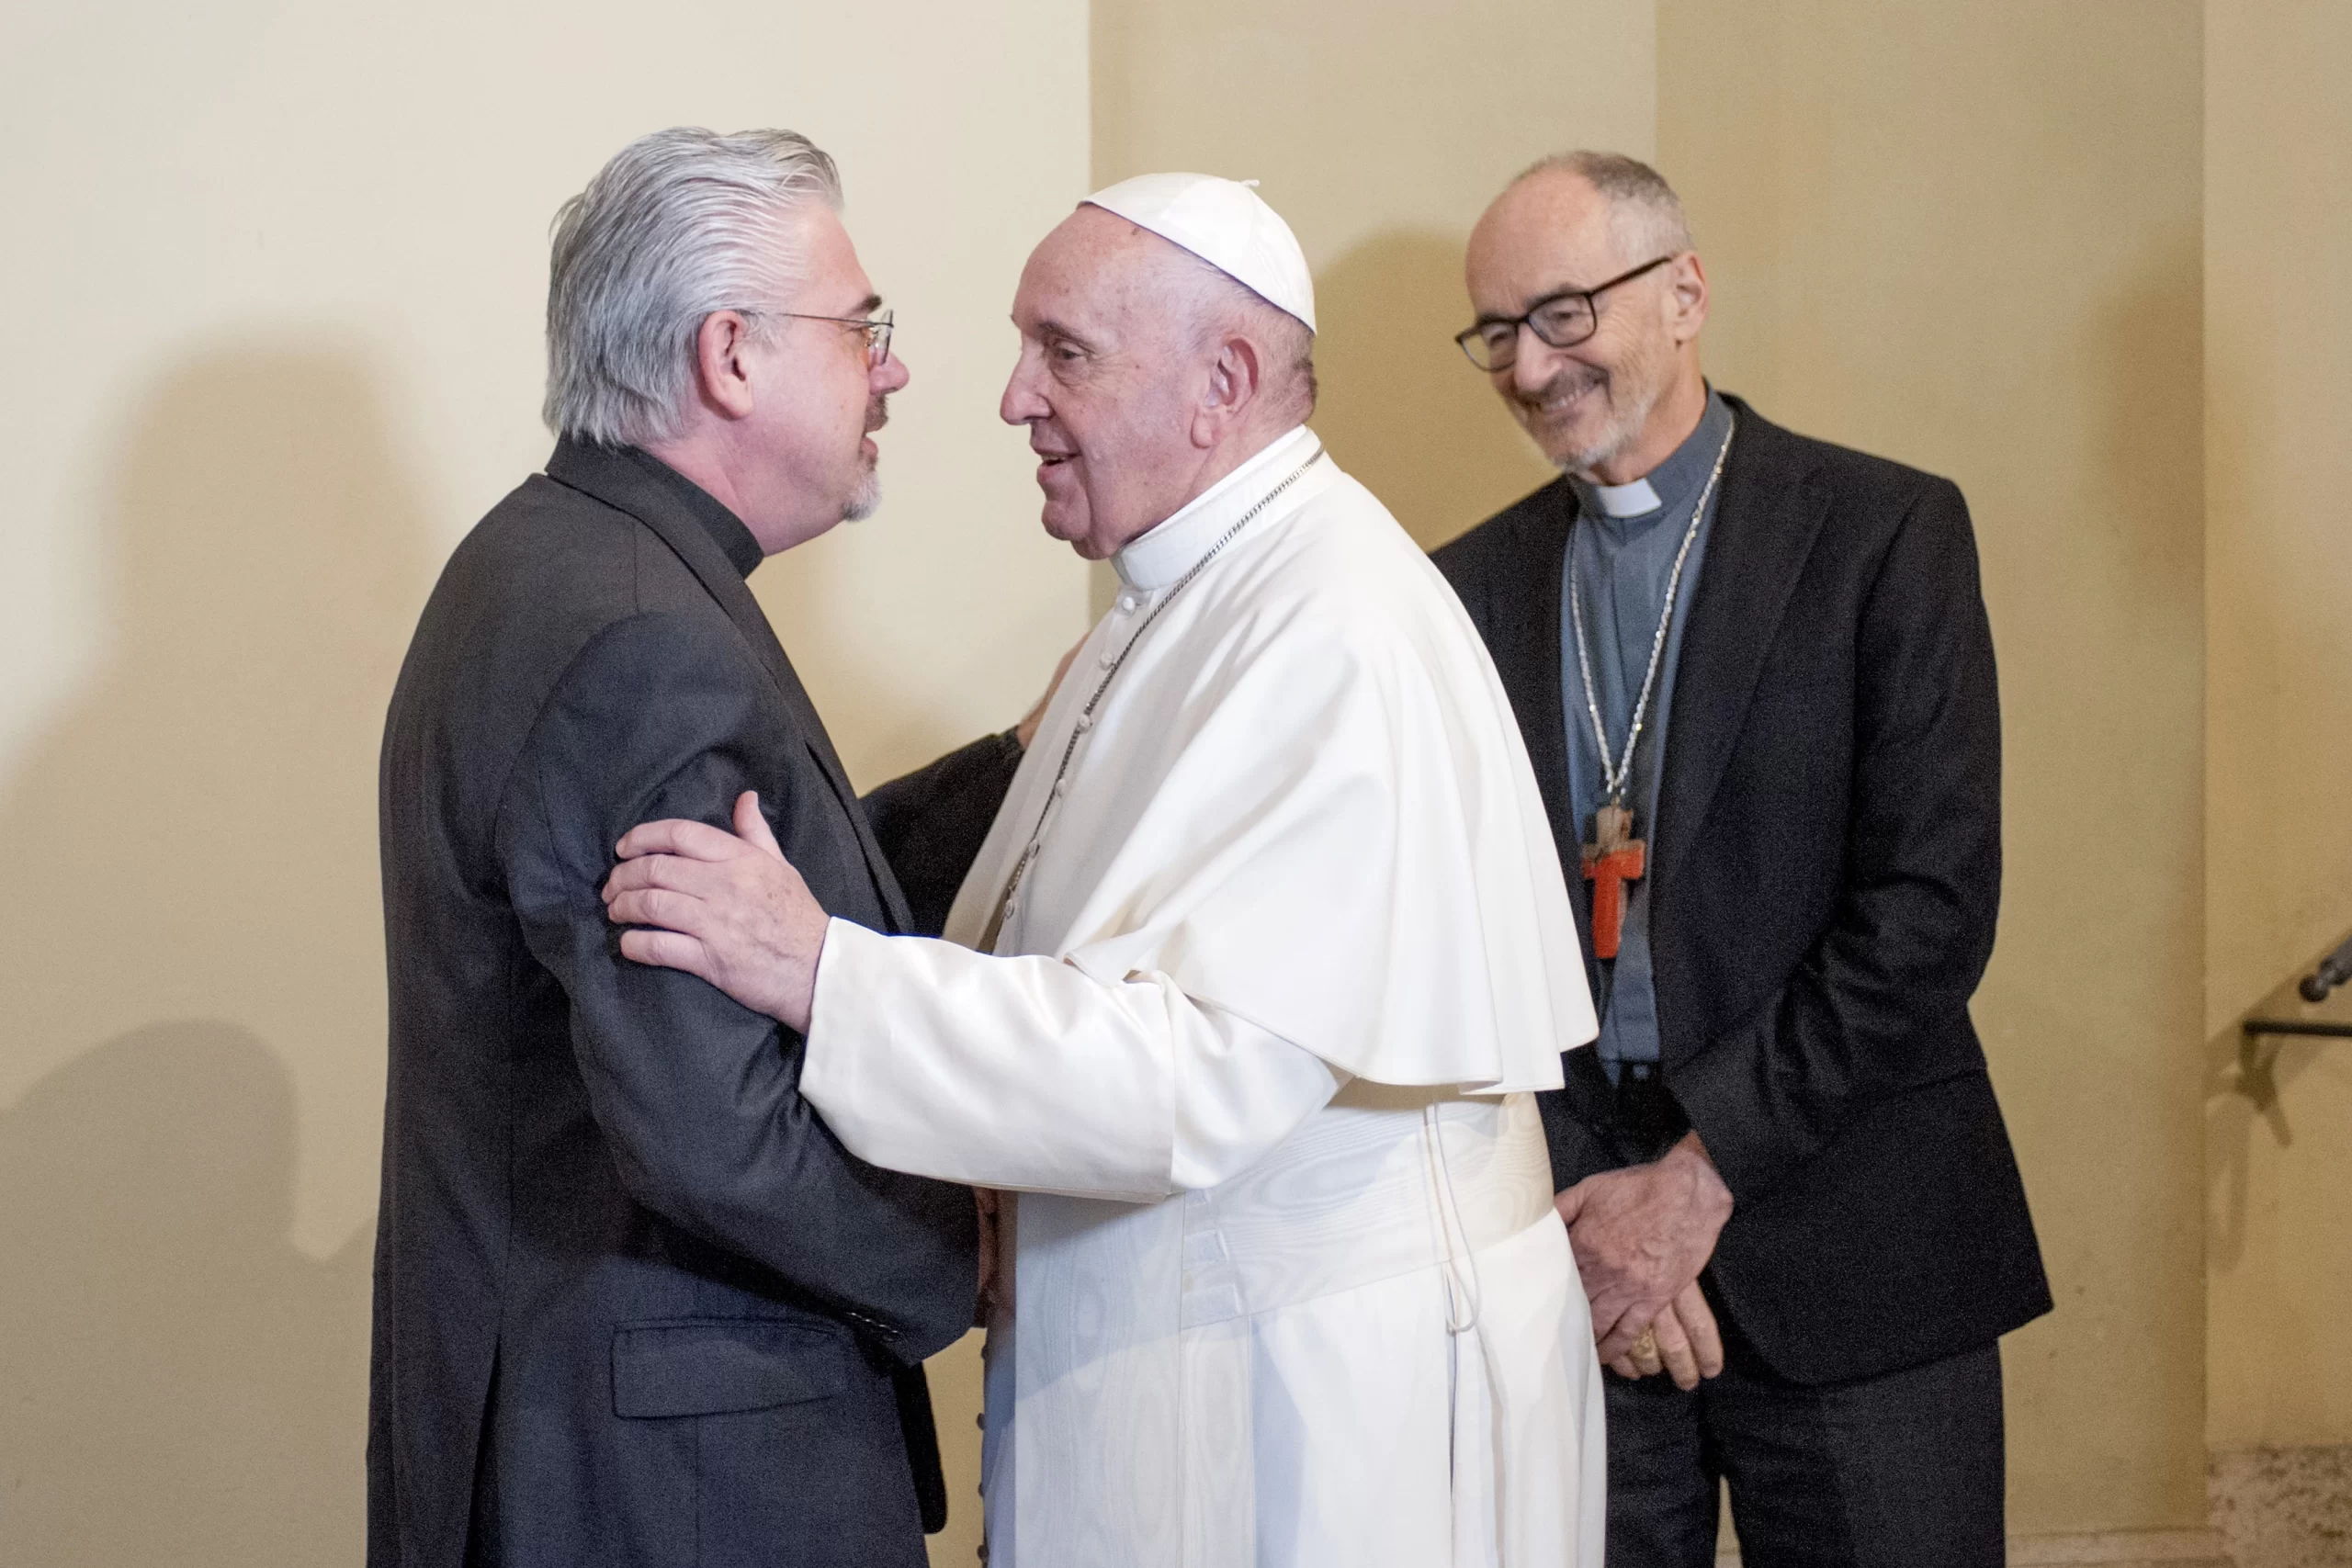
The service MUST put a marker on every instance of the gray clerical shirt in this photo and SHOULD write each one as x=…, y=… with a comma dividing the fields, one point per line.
x=1623, y=563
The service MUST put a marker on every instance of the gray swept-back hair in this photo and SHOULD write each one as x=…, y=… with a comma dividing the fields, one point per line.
x=681, y=223
x=1643, y=209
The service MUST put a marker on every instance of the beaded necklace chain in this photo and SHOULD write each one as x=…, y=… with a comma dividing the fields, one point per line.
x=1615, y=779
x=1005, y=905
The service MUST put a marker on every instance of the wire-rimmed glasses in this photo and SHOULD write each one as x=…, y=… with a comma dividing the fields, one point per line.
x=877, y=329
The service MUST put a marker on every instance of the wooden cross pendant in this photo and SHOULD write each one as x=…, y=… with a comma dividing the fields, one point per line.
x=1614, y=858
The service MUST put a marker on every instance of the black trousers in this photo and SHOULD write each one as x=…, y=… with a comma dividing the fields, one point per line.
x=1904, y=1469
x=1900, y=1471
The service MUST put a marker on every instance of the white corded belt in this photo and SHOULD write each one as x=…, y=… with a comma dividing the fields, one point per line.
x=1381, y=1183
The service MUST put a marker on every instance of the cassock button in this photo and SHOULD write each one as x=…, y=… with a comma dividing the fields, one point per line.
x=1085, y=722
x=1126, y=604
x=1108, y=660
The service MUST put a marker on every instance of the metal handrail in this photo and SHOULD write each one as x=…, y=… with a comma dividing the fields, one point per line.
x=2253, y=1026
x=2332, y=971
x=2335, y=970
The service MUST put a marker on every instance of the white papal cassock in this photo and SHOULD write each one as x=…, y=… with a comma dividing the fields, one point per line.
x=1288, y=956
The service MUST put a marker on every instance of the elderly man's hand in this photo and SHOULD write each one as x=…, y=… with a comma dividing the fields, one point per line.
x=1683, y=1343
x=727, y=906
x=1641, y=1236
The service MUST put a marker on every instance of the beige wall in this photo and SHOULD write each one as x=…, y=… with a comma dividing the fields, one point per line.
x=1968, y=237
x=278, y=275
x=2279, y=713
x=1381, y=129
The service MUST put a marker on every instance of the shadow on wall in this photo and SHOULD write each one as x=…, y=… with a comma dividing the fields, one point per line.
x=2246, y=1084
x=195, y=840
x=1401, y=409
x=2249, y=1081
x=183, y=1386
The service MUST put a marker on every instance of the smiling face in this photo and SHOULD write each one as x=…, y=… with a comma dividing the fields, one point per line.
x=1614, y=406
x=1111, y=378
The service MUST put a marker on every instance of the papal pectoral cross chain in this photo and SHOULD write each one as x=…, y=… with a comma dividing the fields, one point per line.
x=1008, y=901
x=1616, y=857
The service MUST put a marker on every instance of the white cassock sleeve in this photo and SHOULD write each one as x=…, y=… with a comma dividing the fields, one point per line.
x=1027, y=1074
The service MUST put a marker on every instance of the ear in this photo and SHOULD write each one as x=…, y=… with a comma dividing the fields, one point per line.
x=722, y=378
x=1235, y=377
x=1687, y=291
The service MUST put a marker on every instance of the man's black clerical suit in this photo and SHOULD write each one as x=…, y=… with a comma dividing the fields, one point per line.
x=1824, y=874
x=635, y=1305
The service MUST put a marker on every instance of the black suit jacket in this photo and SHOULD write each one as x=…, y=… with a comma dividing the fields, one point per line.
x=635, y=1305
x=1826, y=867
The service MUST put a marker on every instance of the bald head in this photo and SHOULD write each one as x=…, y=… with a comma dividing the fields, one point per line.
x=1615, y=403
x=1145, y=375
x=1644, y=212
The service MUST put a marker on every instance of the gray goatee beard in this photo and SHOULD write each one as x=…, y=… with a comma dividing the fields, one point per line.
x=1640, y=396
x=1619, y=435
x=865, y=499
x=1585, y=460
x=867, y=496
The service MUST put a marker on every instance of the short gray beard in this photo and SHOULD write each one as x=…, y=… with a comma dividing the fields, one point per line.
x=866, y=498
x=1643, y=380
x=1622, y=433
x=1582, y=462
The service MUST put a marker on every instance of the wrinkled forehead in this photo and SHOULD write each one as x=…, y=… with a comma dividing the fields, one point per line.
x=1098, y=269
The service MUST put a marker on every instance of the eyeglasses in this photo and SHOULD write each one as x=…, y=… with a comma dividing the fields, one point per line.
x=1562, y=320
x=877, y=329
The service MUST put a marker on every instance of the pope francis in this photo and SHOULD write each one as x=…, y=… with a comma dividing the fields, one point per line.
x=1248, y=991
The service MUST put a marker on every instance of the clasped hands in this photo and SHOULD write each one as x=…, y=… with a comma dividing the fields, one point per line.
x=1641, y=1236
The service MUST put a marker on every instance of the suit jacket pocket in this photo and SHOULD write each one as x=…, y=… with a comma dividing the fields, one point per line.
x=712, y=1366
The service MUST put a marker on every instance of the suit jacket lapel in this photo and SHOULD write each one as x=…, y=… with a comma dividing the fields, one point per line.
x=1764, y=529
x=618, y=482
x=1524, y=640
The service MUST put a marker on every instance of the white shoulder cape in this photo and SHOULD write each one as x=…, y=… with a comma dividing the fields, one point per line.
x=1302, y=800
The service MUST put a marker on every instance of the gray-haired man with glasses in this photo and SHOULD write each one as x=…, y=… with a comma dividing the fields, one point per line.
x=635, y=1303
x=1754, y=674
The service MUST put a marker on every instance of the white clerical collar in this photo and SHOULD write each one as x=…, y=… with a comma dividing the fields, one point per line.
x=1673, y=483
x=1166, y=551
x=1627, y=501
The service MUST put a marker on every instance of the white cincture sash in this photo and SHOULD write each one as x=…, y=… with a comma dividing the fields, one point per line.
x=1134, y=1369
x=1358, y=1195
x=1382, y=1184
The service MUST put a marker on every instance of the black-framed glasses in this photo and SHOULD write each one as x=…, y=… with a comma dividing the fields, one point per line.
x=1562, y=320
x=877, y=329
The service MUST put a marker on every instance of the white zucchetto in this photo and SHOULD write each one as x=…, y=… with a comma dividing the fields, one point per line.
x=1227, y=225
